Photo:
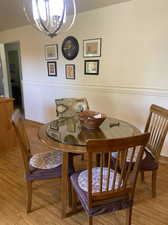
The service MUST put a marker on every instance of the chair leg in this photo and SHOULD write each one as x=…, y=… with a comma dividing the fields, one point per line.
x=69, y=193
x=154, y=177
x=142, y=176
x=82, y=157
x=128, y=216
x=97, y=159
x=74, y=200
x=29, y=196
x=90, y=220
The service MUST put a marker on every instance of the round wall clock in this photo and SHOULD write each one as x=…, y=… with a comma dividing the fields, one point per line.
x=70, y=48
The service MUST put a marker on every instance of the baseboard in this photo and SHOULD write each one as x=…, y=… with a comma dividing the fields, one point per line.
x=32, y=122
x=164, y=159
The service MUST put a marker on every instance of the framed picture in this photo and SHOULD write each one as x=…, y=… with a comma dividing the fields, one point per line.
x=92, y=48
x=92, y=67
x=70, y=71
x=52, y=68
x=70, y=48
x=51, y=52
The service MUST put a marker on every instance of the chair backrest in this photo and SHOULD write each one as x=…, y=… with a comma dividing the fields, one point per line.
x=18, y=123
x=157, y=125
x=125, y=172
x=68, y=107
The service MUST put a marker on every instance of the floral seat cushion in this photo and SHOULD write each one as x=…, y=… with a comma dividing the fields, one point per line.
x=46, y=160
x=83, y=179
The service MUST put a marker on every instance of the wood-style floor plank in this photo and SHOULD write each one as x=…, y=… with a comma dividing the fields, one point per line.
x=46, y=195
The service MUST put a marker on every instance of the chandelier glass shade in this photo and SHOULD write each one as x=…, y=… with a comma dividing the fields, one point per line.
x=50, y=16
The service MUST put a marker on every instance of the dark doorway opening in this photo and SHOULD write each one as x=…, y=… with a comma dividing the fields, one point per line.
x=1, y=79
x=13, y=59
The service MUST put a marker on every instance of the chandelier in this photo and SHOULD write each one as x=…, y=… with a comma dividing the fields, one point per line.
x=50, y=16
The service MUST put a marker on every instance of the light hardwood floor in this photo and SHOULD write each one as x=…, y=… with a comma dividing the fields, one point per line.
x=46, y=195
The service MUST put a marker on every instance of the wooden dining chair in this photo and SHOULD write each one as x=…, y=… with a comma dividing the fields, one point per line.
x=157, y=125
x=68, y=107
x=102, y=189
x=42, y=166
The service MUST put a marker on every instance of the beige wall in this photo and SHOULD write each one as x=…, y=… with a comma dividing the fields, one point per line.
x=133, y=66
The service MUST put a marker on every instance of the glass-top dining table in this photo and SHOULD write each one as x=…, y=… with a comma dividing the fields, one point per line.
x=69, y=136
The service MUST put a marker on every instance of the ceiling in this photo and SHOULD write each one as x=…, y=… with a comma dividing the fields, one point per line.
x=12, y=16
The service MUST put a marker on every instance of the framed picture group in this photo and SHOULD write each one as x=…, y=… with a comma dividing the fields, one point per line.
x=91, y=49
x=51, y=54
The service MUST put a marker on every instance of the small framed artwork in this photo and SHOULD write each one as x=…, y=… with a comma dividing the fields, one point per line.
x=70, y=71
x=52, y=68
x=51, y=52
x=92, y=48
x=91, y=67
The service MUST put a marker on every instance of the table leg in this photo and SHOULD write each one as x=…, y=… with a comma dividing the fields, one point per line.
x=64, y=183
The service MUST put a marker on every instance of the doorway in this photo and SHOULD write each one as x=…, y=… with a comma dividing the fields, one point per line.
x=1, y=79
x=13, y=60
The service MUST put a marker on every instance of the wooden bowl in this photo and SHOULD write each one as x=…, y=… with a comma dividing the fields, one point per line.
x=91, y=119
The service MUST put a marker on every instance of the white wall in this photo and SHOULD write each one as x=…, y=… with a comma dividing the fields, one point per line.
x=133, y=66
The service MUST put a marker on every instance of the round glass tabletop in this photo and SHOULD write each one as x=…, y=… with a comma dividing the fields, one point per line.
x=69, y=130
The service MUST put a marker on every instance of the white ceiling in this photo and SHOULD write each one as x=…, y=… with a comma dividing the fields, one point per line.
x=11, y=13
